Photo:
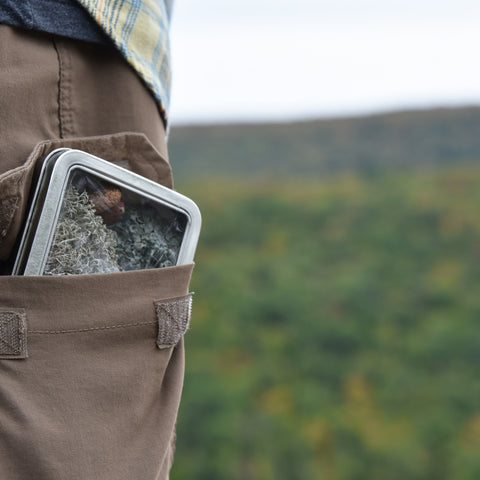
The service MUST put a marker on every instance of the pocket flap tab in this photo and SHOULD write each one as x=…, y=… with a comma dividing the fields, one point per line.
x=13, y=334
x=173, y=316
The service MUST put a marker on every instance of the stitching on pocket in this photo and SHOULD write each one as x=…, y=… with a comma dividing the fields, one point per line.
x=13, y=334
x=173, y=315
x=91, y=329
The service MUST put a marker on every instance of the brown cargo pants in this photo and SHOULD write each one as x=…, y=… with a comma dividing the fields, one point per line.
x=91, y=366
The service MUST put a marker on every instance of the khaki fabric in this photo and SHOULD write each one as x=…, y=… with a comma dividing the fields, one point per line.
x=53, y=87
x=91, y=366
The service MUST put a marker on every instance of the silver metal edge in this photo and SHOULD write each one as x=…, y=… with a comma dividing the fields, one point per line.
x=34, y=209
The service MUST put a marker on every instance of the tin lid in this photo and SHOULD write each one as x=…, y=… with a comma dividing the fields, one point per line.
x=90, y=216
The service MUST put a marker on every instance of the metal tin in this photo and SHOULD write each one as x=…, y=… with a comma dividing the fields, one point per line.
x=145, y=206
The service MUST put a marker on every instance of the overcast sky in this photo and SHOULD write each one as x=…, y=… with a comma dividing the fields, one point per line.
x=255, y=60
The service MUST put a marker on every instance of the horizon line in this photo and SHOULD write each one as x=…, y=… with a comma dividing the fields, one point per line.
x=285, y=120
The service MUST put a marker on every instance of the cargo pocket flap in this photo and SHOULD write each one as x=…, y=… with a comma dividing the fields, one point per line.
x=173, y=316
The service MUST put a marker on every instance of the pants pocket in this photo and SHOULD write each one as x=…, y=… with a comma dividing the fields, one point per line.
x=91, y=366
x=97, y=392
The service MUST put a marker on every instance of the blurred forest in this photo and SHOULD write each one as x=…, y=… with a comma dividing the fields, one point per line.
x=364, y=144
x=335, y=331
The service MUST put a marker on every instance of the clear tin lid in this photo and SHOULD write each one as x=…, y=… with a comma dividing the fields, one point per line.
x=91, y=216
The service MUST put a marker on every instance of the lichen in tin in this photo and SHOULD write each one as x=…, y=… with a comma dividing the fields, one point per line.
x=147, y=240
x=82, y=243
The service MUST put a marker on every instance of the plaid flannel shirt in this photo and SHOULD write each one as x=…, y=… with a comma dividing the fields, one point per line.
x=140, y=30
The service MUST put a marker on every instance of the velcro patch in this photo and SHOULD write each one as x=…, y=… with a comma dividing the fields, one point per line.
x=173, y=316
x=13, y=334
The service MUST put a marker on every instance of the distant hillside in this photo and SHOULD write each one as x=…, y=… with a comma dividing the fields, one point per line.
x=365, y=144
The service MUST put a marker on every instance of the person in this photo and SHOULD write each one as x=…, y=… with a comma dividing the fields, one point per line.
x=88, y=389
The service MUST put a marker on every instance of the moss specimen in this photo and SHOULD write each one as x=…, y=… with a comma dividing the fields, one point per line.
x=83, y=243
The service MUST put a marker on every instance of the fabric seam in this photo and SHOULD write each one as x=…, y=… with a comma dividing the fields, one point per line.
x=91, y=329
x=65, y=109
x=59, y=83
